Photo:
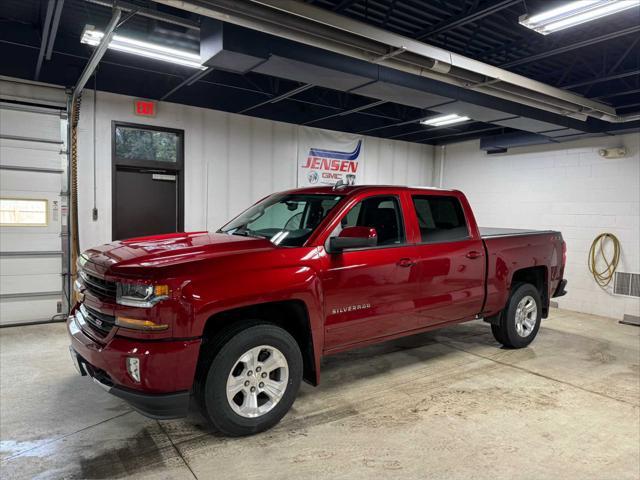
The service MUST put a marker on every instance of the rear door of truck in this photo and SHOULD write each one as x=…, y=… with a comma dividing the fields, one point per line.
x=450, y=258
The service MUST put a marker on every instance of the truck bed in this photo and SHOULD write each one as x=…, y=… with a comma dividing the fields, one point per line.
x=490, y=232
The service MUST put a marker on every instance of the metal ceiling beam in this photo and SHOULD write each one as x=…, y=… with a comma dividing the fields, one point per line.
x=619, y=94
x=97, y=54
x=46, y=26
x=397, y=124
x=573, y=46
x=187, y=82
x=617, y=76
x=343, y=5
x=54, y=29
x=455, y=128
x=460, y=134
x=629, y=105
x=149, y=13
x=618, y=62
x=278, y=98
x=624, y=56
x=464, y=18
x=347, y=112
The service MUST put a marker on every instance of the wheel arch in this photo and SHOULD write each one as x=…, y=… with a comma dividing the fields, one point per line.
x=538, y=276
x=290, y=315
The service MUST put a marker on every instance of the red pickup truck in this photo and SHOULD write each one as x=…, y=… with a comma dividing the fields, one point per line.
x=239, y=317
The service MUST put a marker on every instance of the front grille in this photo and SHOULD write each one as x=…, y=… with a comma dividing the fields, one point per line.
x=98, y=321
x=99, y=287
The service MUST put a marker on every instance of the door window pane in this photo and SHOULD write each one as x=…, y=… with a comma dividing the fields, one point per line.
x=381, y=213
x=23, y=212
x=143, y=144
x=441, y=219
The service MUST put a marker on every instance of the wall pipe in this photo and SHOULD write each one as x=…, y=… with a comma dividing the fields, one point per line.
x=74, y=118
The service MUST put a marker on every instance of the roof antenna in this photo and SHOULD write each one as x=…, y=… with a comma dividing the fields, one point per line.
x=340, y=184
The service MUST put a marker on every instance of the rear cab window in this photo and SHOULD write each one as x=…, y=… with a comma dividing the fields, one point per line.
x=440, y=218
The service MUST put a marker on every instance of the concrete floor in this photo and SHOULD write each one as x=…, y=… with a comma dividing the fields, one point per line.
x=446, y=404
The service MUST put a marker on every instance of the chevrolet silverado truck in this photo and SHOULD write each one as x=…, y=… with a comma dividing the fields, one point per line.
x=236, y=319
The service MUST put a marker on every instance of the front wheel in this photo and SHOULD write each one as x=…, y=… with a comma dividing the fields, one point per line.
x=253, y=380
x=519, y=322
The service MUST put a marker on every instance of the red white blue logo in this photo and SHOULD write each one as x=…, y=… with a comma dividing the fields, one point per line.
x=329, y=166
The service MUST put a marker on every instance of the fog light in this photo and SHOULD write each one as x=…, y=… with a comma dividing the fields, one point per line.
x=133, y=367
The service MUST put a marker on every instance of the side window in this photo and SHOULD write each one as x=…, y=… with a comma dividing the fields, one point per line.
x=441, y=219
x=381, y=213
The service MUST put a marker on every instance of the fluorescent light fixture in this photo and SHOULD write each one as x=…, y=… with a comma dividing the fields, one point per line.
x=150, y=50
x=574, y=13
x=444, y=120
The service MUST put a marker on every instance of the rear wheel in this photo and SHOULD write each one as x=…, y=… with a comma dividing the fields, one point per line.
x=252, y=380
x=519, y=322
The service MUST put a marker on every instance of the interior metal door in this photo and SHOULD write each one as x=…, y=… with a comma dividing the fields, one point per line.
x=32, y=209
x=147, y=180
x=146, y=204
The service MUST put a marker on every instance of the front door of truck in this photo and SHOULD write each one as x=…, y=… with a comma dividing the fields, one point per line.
x=450, y=262
x=369, y=292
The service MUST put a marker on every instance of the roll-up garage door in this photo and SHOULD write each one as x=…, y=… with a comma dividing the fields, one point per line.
x=32, y=202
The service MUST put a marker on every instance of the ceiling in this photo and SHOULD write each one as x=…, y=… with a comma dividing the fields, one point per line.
x=599, y=60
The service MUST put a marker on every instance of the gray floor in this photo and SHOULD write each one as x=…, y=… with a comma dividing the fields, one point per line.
x=447, y=404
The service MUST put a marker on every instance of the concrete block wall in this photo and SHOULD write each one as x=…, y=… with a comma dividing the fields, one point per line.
x=566, y=187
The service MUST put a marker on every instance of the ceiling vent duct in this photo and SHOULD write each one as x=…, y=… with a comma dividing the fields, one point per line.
x=310, y=25
x=237, y=49
x=501, y=143
x=217, y=41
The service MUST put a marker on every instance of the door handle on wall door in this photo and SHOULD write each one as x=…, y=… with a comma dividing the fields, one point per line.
x=405, y=262
x=473, y=254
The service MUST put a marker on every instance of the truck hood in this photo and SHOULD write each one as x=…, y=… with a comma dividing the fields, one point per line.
x=165, y=250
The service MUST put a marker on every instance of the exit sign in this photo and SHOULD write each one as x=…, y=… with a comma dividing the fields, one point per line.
x=144, y=108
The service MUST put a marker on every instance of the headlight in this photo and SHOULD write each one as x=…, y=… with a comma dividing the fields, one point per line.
x=140, y=295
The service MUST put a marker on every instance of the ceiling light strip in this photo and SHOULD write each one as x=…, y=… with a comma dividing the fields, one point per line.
x=444, y=120
x=574, y=13
x=145, y=49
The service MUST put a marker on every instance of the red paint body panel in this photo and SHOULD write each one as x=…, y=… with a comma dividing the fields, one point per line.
x=352, y=298
x=169, y=366
x=510, y=254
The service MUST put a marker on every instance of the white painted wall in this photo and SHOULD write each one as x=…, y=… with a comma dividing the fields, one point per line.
x=567, y=187
x=230, y=161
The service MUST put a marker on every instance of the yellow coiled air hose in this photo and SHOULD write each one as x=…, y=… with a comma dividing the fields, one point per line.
x=597, y=251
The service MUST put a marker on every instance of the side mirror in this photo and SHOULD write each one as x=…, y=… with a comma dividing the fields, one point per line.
x=354, y=237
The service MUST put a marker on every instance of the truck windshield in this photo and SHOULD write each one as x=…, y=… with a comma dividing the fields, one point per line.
x=284, y=219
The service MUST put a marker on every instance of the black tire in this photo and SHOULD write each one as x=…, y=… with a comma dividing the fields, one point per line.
x=506, y=332
x=222, y=355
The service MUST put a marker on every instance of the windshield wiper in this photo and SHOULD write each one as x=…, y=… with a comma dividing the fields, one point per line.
x=247, y=233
